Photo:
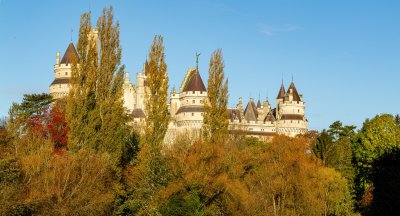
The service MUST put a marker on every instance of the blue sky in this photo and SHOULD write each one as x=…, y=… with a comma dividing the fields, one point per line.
x=344, y=55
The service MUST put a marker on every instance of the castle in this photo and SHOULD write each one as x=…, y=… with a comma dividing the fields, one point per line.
x=186, y=106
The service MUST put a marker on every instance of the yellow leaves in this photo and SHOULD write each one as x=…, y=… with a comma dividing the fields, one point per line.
x=72, y=183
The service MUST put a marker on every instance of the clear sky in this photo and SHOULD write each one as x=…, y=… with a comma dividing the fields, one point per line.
x=344, y=55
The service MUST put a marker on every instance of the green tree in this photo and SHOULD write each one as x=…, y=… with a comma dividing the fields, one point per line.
x=337, y=130
x=333, y=147
x=150, y=173
x=378, y=136
x=95, y=110
x=31, y=110
x=215, y=117
x=397, y=117
x=324, y=147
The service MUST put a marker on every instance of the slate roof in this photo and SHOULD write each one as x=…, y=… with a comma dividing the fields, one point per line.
x=256, y=133
x=281, y=94
x=258, y=103
x=270, y=117
x=70, y=54
x=60, y=81
x=291, y=117
x=195, y=83
x=190, y=109
x=250, y=113
x=234, y=114
x=138, y=113
x=296, y=96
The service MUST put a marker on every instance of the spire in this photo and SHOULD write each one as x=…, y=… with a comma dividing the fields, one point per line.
x=292, y=88
x=281, y=93
x=258, y=104
x=70, y=54
x=195, y=83
x=250, y=113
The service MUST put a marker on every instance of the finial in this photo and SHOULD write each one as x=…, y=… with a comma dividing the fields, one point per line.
x=292, y=77
x=197, y=61
x=71, y=34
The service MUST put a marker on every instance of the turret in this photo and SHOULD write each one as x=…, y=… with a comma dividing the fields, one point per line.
x=128, y=93
x=62, y=72
x=57, y=58
x=291, y=114
x=240, y=106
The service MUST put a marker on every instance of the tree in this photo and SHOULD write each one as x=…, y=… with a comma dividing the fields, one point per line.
x=337, y=130
x=58, y=129
x=378, y=136
x=156, y=95
x=150, y=172
x=156, y=109
x=30, y=113
x=95, y=110
x=324, y=147
x=215, y=116
x=333, y=147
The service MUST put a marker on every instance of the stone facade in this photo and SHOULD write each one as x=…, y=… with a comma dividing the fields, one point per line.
x=186, y=106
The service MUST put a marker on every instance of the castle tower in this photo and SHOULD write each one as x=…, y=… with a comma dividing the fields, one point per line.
x=291, y=115
x=59, y=88
x=129, y=92
x=141, y=88
x=191, y=101
x=279, y=99
x=174, y=102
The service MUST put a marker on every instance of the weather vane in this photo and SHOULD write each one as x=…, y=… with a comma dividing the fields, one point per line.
x=197, y=61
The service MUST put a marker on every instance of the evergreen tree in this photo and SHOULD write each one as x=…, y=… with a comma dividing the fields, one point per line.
x=95, y=110
x=215, y=117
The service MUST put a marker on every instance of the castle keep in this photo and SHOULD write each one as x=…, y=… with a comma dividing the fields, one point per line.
x=186, y=106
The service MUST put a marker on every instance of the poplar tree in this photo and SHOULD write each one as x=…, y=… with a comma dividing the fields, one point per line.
x=95, y=110
x=156, y=110
x=215, y=120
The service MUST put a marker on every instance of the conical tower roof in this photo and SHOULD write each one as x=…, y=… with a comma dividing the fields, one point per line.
x=195, y=83
x=258, y=104
x=250, y=113
x=296, y=96
x=70, y=54
x=281, y=94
